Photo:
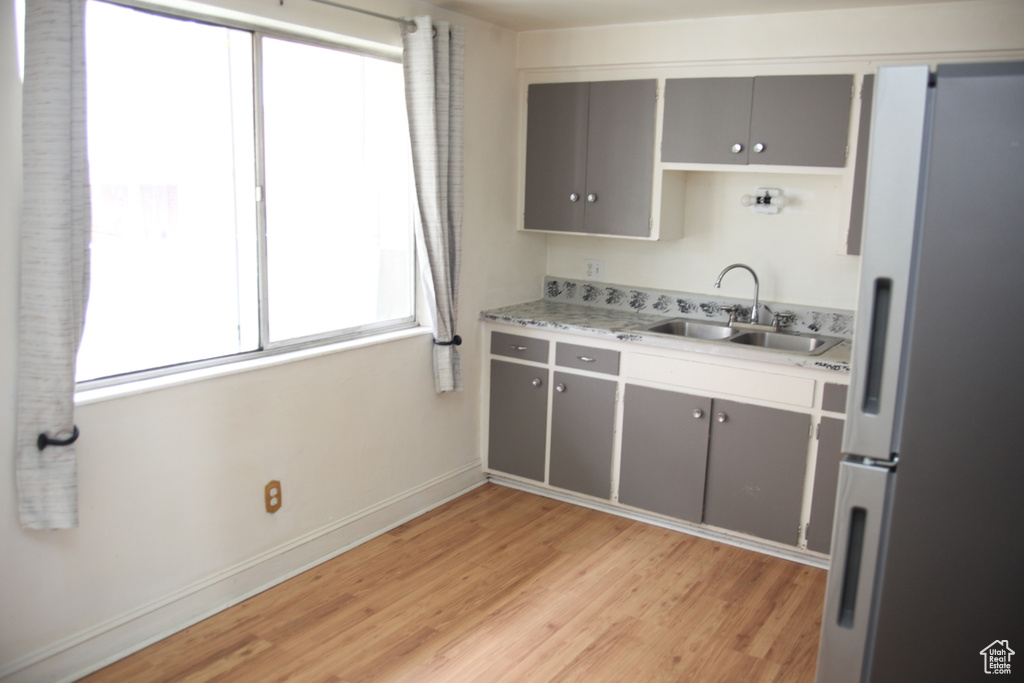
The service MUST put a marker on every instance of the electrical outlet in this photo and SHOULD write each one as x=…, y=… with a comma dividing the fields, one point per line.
x=272, y=496
x=593, y=269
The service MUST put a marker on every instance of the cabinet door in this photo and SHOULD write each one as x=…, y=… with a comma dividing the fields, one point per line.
x=800, y=120
x=664, y=451
x=756, y=464
x=518, y=419
x=826, y=478
x=860, y=169
x=704, y=118
x=556, y=156
x=620, y=157
x=582, y=434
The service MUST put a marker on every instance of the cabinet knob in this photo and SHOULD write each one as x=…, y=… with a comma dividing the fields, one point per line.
x=698, y=413
x=758, y=148
x=574, y=197
x=591, y=197
x=536, y=382
x=737, y=148
x=721, y=417
x=560, y=387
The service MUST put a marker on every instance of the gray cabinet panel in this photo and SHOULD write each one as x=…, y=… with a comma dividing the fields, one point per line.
x=664, y=451
x=860, y=169
x=582, y=434
x=556, y=156
x=833, y=398
x=704, y=118
x=826, y=478
x=587, y=358
x=800, y=120
x=515, y=346
x=586, y=139
x=756, y=463
x=620, y=157
x=518, y=419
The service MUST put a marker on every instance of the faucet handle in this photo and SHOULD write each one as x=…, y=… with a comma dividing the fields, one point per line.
x=732, y=311
x=782, y=319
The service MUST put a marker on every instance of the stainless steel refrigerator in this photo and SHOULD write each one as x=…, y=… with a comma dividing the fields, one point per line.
x=927, y=561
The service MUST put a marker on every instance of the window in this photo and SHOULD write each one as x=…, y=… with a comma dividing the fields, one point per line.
x=250, y=193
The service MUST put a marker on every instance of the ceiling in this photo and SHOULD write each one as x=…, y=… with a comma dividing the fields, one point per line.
x=533, y=15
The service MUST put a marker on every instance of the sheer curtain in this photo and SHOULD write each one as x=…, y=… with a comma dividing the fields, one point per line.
x=434, y=64
x=54, y=261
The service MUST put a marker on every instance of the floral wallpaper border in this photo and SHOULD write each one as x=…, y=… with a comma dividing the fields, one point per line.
x=834, y=322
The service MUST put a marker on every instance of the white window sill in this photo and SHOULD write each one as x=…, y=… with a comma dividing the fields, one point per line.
x=141, y=386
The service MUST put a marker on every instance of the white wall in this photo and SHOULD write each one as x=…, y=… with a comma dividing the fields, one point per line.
x=171, y=481
x=797, y=254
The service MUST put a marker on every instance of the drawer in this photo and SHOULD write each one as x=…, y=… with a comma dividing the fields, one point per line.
x=587, y=358
x=516, y=346
x=833, y=398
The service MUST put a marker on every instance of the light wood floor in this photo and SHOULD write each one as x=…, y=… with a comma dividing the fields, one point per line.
x=501, y=585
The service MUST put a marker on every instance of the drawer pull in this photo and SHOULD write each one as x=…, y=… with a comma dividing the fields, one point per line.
x=587, y=359
x=516, y=348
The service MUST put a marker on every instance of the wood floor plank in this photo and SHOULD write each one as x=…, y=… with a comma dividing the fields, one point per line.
x=500, y=585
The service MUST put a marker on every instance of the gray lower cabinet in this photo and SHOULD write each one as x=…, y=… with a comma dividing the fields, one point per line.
x=826, y=478
x=582, y=434
x=518, y=419
x=779, y=120
x=590, y=157
x=755, y=474
x=664, y=451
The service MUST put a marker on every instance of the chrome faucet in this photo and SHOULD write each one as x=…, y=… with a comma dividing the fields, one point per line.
x=718, y=284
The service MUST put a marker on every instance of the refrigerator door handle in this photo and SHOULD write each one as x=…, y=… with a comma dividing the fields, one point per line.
x=861, y=519
x=890, y=218
x=877, y=345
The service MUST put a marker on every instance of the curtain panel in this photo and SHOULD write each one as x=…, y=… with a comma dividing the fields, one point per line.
x=434, y=65
x=55, y=232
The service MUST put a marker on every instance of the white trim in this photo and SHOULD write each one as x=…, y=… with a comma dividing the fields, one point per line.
x=98, y=646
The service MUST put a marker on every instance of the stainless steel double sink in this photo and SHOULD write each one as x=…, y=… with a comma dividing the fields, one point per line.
x=773, y=340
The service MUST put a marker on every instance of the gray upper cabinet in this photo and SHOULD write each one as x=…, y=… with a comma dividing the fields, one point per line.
x=590, y=157
x=755, y=473
x=860, y=169
x=705, y=118
x=774, y=120
x=556, y=156
x=664, y=451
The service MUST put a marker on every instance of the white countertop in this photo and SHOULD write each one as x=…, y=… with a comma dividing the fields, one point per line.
x=622, y=326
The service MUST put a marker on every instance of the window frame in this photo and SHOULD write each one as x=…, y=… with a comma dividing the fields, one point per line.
x=268, y=348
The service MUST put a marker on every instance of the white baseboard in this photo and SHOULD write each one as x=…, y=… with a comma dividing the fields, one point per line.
x=109, y=641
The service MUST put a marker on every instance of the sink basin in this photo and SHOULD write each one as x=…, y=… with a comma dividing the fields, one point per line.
x=694, y=329
x=792, y=343
x=707, y=330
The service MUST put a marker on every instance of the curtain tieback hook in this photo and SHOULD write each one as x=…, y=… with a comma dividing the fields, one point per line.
x=43, y=441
